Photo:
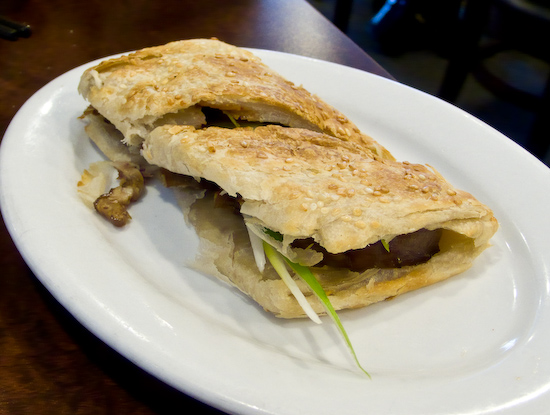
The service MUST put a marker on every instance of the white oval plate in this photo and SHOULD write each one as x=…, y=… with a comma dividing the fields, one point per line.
x=477, y=343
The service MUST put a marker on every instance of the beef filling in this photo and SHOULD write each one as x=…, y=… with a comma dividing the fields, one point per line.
x=403, y=250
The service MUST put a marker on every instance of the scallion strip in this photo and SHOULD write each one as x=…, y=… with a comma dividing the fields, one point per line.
x=278, y=263
x=233, y=120
x=308, y=277
x=257, y=248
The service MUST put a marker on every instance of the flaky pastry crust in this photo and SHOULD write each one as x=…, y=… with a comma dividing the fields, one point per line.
x=306, y=184
x=137, y=91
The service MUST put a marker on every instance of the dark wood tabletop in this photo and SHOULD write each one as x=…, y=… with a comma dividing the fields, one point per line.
x=49, y=363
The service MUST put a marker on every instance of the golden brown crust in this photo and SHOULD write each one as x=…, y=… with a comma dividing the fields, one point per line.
x=135, y=91
x=307, y=184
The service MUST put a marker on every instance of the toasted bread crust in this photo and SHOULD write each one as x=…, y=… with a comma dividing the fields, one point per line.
x=135, y=91
x=307, y=184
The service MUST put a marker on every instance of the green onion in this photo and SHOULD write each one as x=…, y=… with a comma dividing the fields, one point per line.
x=307, y=276
x=274, y=234
x=233, y=120
x=386, y=244
x=256, y=243
x=278, y=263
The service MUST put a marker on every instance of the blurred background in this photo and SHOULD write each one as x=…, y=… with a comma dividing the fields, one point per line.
x=415, y=40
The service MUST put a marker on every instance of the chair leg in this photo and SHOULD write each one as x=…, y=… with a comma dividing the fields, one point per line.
x=471, y=23
x=538, y=142
x=342, y=13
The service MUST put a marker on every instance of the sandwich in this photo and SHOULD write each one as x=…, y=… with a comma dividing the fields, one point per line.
x=260, y=165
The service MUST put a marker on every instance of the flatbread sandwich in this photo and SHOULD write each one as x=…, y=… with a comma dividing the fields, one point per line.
x=260, y=162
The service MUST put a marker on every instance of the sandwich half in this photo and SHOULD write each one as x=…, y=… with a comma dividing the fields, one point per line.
x=292, y=172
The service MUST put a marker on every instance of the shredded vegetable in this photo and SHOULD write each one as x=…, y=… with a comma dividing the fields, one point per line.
x=233, y=120
x=278, y=261
x=308, y=277
x=257, y=249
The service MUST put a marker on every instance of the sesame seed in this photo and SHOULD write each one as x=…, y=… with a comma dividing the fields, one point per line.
x=412, y=187
x=313, y=206
x=357, y=211
x=434, y=196
x=244, y=144
x=336, y=211
x=451, y=192
x=346, y=218
x=351, y=192
x=425, y=189
x=360, y=224
x=304, y=206
x=325, y=210
x=422, y=177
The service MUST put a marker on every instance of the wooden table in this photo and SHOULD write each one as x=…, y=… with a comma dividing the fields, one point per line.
x=49, y=363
